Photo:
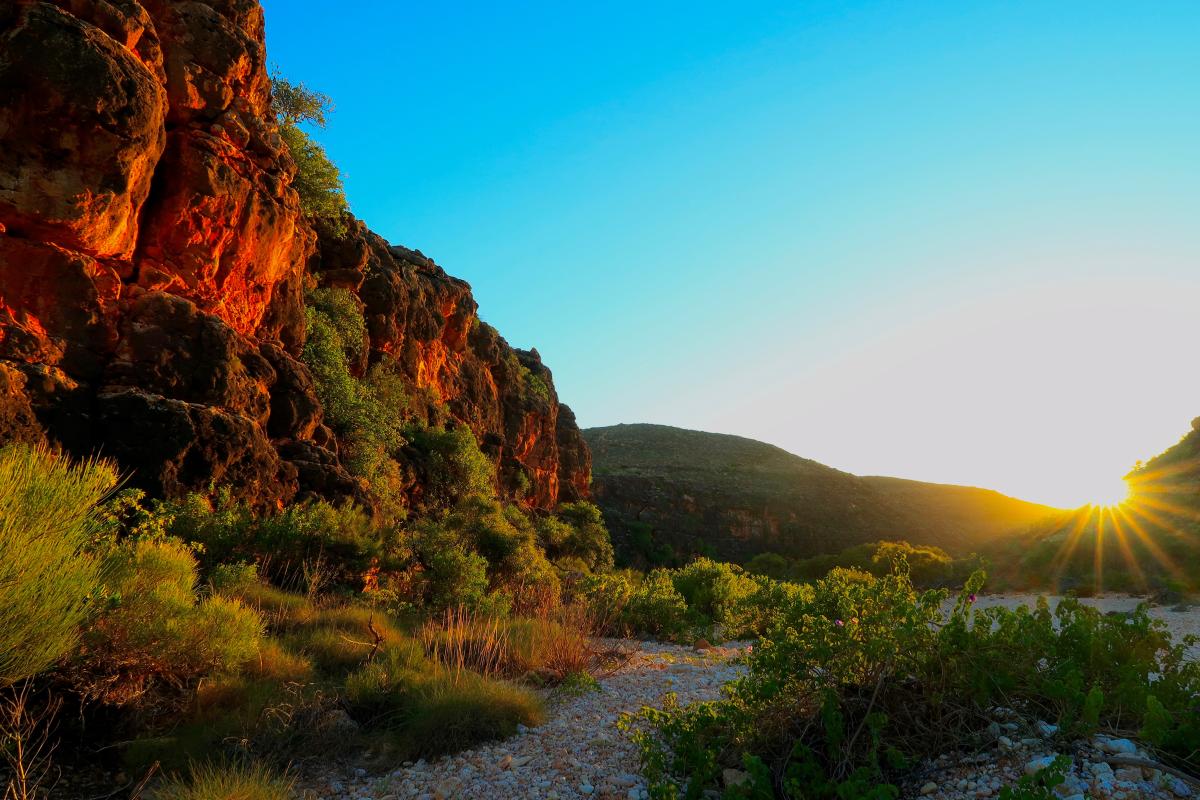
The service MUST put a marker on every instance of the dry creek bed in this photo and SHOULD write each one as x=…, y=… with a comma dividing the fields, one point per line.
x=580, y=754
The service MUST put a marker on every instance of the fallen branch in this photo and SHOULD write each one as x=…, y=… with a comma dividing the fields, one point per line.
x=1134, y=761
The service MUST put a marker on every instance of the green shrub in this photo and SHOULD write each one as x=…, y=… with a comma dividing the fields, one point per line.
x=483, y=544
x=656, y=607
x=48, y=519
x=454, y=466
x=226, y=782
x=716, y=593
x=156, y=638
x=866, y=676
x=606, y=596
x=1041, y=784
x=300, y=545
x=455, y=711
x=453, y=574
x=340, y=309
x=587, y=538
x=652, y=553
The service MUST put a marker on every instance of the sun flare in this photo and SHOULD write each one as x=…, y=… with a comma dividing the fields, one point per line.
x=1110, y=495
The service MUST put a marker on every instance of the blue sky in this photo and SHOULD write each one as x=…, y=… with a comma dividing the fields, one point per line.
x=944, y=240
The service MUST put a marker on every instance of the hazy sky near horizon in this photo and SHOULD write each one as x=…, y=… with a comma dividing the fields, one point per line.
x=941, y=240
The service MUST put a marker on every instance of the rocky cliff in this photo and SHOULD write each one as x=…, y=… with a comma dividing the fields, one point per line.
x=154, y=259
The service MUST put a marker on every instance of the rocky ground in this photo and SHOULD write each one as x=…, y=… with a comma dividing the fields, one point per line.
x=1101, y=768
x=578, y=753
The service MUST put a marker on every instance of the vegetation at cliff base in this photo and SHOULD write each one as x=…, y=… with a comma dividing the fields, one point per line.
x=199, y=631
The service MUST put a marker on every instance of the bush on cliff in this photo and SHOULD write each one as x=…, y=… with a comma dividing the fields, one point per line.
x=455, y=468
x=318, y=180
x=367, y=415
x=48, y=577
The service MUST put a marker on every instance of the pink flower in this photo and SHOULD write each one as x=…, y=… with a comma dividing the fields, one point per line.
x=838, y=622
x=971, y=597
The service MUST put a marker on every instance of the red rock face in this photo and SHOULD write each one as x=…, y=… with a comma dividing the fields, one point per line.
x=427, y=321
x=153, y=257
x=82, y=120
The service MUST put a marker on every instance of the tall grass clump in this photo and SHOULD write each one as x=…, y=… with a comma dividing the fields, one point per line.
x=550, y=646
x=234, y=781
x=47, y=576
x=432, y=709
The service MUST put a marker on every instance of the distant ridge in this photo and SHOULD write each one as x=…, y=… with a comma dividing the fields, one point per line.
x=672, y=492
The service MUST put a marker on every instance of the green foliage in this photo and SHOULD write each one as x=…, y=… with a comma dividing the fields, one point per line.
x=648, y=550
x=317, y=180
x=295, y=103
x=482, y=536
x=577, y=684
x=368, y=415
x=535, y=383
x=287, y=546
x=927, y=565
x=716, y=594
x=606, y=596
x=341, y=310
x=233, y=781
x=49, y=516
x=865, y=675
x=578, y=531
x=656, y=607
x=1041, y=784
x=454, y=575
x=156, y=637
x=455, y=468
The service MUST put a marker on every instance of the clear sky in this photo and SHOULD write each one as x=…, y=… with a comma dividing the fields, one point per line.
x=953, y=241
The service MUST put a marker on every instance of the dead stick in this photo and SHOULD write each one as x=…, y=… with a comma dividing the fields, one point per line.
x=1134, y=761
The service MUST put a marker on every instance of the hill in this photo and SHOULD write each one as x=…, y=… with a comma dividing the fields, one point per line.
x=668, y=492
x=983, y=513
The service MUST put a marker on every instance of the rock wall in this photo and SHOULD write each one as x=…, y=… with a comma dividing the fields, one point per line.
x=153, y=258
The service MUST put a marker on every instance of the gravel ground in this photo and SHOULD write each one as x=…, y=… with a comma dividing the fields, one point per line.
x=578, y=753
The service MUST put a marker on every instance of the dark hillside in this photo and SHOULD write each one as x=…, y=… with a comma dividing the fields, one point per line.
x=669, y=492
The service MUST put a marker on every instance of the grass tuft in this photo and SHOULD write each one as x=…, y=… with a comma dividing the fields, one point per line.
x=233, y=781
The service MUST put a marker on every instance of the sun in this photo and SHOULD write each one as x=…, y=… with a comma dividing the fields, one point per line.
x=1109, y=495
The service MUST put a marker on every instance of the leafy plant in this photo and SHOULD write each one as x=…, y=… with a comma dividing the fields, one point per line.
x=1041, y=784
x=864, y=676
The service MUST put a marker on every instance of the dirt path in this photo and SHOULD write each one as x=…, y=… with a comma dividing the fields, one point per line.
x=578, y=753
